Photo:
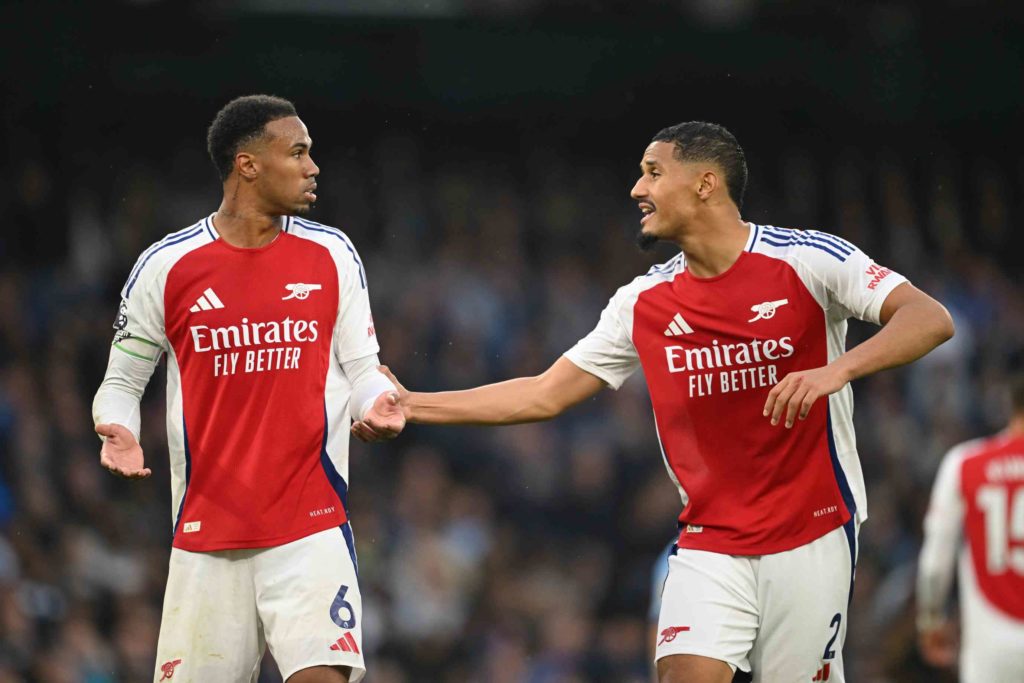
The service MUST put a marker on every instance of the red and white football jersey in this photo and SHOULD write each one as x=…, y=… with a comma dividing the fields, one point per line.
x=977, y=513
x=257, y=401
x=711, y=349
x=978, y=498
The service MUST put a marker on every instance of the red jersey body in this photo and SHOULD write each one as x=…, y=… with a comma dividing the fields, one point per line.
x=257, y=400
x=711, y=350
x=991, y=483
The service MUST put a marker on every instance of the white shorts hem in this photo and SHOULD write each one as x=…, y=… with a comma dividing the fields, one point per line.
x=357, y=664
x=695, y=649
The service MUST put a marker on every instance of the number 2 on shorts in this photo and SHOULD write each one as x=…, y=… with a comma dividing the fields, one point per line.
x=836, y=621
x=340, y=604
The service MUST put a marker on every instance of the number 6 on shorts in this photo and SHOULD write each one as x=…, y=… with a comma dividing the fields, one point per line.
x=340, y=604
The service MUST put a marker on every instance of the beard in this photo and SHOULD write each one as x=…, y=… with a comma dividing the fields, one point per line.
x=645, y=241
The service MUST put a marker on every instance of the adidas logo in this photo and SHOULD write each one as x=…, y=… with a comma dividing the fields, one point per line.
x=678, y=326
x=346, y=644
x=207, y=301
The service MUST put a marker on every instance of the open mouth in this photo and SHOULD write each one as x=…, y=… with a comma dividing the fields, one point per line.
x=647, y=210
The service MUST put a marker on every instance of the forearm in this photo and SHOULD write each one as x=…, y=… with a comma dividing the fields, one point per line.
x=911, y=332
x=511, y=402
x=934, y=581
x=119, y=395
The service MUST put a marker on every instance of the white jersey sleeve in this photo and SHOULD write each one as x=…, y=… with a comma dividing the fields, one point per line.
x=943, y=527
x=354, y=333
x=608, y=352
x=139, y=341
x=844, y=280
x=139, y=327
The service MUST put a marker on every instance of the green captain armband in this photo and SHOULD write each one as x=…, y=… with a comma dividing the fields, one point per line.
x=137, y=347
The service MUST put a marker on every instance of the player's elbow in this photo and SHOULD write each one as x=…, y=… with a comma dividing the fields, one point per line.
x=943, y=327
x=544, y=403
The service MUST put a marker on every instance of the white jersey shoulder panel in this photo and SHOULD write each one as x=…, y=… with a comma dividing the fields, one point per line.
x=607, y=352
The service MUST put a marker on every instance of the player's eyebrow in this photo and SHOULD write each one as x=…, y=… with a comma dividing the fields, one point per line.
x=648, y=163
x=302, y=144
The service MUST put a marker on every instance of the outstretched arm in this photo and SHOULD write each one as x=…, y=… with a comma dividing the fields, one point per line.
x=115, y=412
x=937, y=564
x=525, y=399
x=913, y=324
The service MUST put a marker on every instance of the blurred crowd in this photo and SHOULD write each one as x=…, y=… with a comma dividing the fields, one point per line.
x=500, y=555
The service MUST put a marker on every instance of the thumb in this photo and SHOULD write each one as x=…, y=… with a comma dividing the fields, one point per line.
x=107, y=430
x=393, y=398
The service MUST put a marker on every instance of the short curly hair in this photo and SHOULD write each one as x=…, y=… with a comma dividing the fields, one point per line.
x=242, y=120
x=701, y=141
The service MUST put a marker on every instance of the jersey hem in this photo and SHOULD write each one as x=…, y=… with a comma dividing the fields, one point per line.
x=700, y=650
x=691, y=542
x=328, y=523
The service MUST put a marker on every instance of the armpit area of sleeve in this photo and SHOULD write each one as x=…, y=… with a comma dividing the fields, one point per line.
x=603, y=374
x=883, y=290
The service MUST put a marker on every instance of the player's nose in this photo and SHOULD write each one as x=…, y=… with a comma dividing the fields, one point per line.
x=639, y=189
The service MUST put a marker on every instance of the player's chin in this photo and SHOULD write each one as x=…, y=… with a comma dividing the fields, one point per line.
x=302, y=208
x=646, y=240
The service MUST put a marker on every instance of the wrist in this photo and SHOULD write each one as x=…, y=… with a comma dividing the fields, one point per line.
x=929, y=621
x=365, y=408
x=844, y=370
x=413, y=406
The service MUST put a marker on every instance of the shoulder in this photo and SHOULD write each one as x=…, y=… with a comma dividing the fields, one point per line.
x=957, y=456
x=337, y=243
x=658, y=274
x=969, y=449
x=809, y=246
x=155, y=261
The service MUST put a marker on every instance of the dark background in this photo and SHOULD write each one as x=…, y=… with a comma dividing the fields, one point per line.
x=480, y=156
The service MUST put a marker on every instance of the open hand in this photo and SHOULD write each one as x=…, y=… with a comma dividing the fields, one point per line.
x=386, y=418
x=797, y=392
x=938, y=645
x=121, y=454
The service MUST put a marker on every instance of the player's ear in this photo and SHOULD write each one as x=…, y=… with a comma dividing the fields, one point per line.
x=708, y=184
x=246, y=165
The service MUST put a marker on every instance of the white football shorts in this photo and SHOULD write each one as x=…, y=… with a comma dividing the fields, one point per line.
x=992, y=646
x=223, y=608
x=780, y=617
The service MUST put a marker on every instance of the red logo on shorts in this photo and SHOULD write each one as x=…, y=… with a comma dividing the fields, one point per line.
x=823, y=673
x=346, y=644
x=669, y=634
x=168, y=669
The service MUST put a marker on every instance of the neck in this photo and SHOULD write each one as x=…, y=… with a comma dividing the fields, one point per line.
x=1016, y=426
x=242, y=224
x=713, y=246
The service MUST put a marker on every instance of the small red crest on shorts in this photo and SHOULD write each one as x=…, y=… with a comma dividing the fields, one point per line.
x=168, y=669
x=823, y=673
x=669, y=634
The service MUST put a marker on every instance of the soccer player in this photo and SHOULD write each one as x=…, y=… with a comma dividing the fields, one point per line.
x=977, y=511
x=265, y=321
x=741, y=338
